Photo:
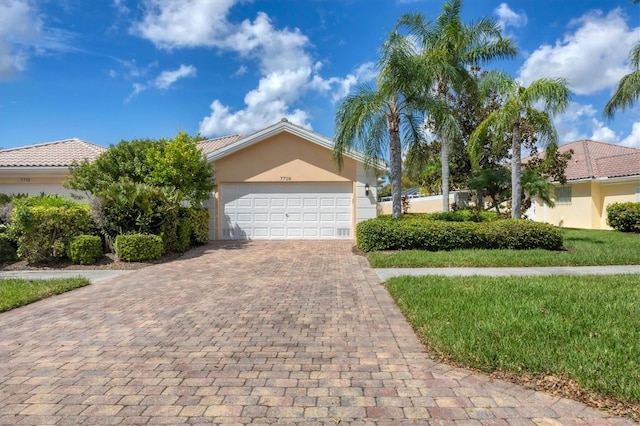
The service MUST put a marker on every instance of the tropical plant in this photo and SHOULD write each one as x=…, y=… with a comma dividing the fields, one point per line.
x=373, y=119
x=448, y=48
x=519, y=104
x=628, y=90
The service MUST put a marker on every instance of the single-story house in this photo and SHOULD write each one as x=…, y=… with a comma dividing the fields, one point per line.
x=42, y=168
x=598, y=174
x=278, y=183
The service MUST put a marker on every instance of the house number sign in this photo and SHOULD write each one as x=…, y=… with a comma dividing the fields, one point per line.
x=285, y=178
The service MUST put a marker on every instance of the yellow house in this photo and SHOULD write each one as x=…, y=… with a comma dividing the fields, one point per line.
x=598, y=174
x=278, y=183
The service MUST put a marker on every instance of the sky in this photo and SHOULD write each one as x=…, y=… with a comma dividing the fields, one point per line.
x=111, y=70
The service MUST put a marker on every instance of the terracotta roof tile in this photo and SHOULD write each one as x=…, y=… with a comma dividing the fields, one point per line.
x=593, y=159
x=51, y=154
x=210, y=145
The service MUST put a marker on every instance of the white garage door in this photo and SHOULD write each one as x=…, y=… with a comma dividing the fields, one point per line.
x=285, y=211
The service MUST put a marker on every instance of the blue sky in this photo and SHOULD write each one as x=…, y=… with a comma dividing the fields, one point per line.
x=108, y=70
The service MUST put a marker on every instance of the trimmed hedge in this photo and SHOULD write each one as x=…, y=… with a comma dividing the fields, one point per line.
x=184, y=234
x=85, y=249
x=199, y=225
x=624, y=217
x=7, y=249
x=385, y=233
x=139, y=247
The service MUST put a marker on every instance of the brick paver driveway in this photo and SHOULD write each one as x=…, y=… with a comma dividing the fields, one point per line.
x=262, y=332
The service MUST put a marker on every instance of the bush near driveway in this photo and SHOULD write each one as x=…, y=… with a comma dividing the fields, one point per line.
x=624, y=217
x=139, y=247
x=85, y=249
x=386, y=233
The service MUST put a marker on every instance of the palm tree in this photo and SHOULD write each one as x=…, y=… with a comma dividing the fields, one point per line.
x=628, y=89
x=373, y=119
x=448, y=49
x=519, y=104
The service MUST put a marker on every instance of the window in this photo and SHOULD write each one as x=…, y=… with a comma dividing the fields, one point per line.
x=563, y=195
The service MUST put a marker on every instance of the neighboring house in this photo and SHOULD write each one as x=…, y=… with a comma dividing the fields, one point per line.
x=281, y=183
x=278, y=183
x=598, y=174
x=42, y=168
x=420, y=203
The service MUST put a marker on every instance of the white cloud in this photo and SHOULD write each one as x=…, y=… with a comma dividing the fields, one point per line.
x=164, y=80
x=508, y=18
x=633, y=139
x=592, y=57
x=20, y=27
x=287, y=69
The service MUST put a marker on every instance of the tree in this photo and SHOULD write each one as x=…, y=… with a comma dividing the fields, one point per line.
x=519, y=105
x=628, y=90
x=373, y=118
x=448, y=48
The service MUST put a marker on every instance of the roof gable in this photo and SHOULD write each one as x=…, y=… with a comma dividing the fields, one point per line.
x=61, y=153
x=283, y=126
x=210, y=145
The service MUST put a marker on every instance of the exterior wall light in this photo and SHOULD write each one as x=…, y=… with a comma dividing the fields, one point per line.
x=366, y=189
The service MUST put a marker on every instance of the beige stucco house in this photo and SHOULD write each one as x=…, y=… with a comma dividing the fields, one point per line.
x=42, y=168
x=278, y=183
x=598, y=174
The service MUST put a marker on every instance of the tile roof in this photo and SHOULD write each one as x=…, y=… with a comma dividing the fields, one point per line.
x=51, y=154
x=210, y=145
x=592, y=159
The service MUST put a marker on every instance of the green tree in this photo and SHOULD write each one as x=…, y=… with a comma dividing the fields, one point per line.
x=448, y=48
x=373, y=119
x=628, y=90
x=518, y=106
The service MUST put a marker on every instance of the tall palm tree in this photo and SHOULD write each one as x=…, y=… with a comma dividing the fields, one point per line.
x=376, y=119
x=519, y=104
x=448, y=48
x=628, y=89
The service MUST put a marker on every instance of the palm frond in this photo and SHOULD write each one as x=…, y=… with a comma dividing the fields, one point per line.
x=626, y=94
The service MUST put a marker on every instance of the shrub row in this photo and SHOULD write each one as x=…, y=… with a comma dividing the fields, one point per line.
x=433, y=235
x=624, y=217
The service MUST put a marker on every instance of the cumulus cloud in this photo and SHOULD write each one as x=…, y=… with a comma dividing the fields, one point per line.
x=592, y=56
x=287, y=68
x=508, y=18
x=164, y=80
x=633, y=139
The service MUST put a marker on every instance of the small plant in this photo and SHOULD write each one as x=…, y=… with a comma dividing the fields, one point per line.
x=138, y=247
x=85, y=249
x=624, y=217
x=7, y=249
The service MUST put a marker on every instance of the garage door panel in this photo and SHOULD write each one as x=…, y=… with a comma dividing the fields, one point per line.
x=286, y=211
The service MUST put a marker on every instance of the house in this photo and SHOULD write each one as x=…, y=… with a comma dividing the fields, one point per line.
x=598, y=174
x=278, y=183
x=281, y=183
x=35, y=169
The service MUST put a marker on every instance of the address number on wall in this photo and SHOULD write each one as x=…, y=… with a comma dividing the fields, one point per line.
x=25, y=179
x=285, y=177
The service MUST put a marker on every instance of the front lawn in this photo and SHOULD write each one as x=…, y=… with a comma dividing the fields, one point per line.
x=582, y=247
x=16, y=292
x=581, y=329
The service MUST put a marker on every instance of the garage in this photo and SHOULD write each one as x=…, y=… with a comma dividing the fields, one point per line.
x=286, y=211
x=282, y=183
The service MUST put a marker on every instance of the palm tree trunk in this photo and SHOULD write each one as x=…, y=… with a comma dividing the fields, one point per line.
x=516, y=172
x=444, y=159
x=395, y=158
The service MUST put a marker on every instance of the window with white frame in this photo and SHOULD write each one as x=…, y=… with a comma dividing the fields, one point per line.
x=563, y=195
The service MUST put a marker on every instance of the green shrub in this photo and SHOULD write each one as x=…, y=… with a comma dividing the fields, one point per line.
x=43, y=226
x=199, y=224
x=85, y=249
x=425, y=234
x=624, y=217
x=138, y=247
x=7, y=249
x=184, y=234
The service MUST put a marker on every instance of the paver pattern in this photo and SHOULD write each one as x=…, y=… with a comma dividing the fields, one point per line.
x=255, y=332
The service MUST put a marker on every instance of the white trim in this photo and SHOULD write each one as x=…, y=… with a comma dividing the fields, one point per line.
x=283, y=126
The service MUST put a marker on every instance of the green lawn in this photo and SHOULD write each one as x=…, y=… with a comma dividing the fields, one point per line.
x=584, y=328
x=583, y=247
x=19, y=292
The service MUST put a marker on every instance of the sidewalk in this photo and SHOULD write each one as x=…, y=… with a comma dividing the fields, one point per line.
x=386, y=273
x=92, y=275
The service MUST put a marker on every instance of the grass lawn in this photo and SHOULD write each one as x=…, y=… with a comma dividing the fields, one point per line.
x=583, y=247
x=582, y=328
x=19, y=292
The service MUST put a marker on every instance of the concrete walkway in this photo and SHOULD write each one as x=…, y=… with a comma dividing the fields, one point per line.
x=386, y=273
x=258, y=332
x=92, y=275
